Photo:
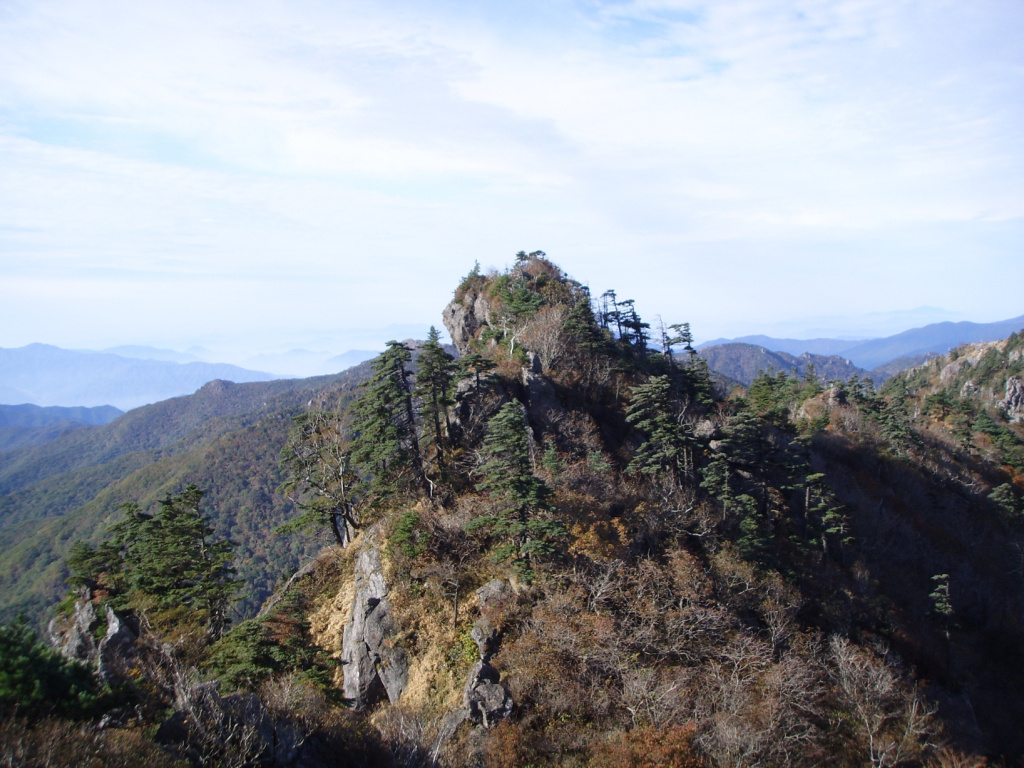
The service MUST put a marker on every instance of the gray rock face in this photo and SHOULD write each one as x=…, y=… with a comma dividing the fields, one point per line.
x=486, y=638
x=371, y=662
x=115, y=648
x=75, y=641
x=484, y=698
x=493, y=591
x=1013, y=403
x=465, y=319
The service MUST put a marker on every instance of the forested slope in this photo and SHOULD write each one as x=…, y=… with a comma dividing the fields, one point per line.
x=227, y=438
x=572, y=549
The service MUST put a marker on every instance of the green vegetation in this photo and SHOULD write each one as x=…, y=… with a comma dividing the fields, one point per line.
x=36, y=681
x=519, y=526
x=661, y=573
x=164, y=561
x=385, y=440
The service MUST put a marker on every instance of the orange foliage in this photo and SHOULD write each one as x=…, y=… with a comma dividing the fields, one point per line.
x=650, y=748
x=599, y=540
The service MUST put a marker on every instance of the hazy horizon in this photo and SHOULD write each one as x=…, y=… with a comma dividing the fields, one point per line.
x=297, y=359
x=267, y=175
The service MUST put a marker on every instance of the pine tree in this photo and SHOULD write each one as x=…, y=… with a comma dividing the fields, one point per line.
x=384, y=443
x=522, y=529
x=768, y=396
x=36, y=681
x=667, y=451
x=474, y=364
x=172, y=557
x=582, y=327
x=827, y=516
x=433, y=386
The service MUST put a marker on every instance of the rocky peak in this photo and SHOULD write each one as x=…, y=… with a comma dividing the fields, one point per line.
x=464, y=317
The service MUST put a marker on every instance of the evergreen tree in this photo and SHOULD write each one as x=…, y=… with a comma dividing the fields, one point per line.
x=667, y=451
x=582, y=327
x=384, y=443
x=811, y=383
x=1005, y=498
x=697, y=381
x=755, y=541
x=435, y=369
x=36, y=681
x=519, y=524
x=635, y=333
x=827, y=516
x=741, y=467
x=518, y=302
x=96, y=568
x=172, y=557
x=474, y=364
x=769, y=396
x=682, y=335
x=895, y=424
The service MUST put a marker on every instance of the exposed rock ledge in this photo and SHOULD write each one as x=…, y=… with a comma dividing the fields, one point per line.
x=373, y=666
x=1014, y=400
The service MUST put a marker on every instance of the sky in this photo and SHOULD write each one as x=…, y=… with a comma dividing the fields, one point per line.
x=252, y=177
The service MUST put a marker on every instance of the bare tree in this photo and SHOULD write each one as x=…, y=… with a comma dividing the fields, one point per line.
x=888, y=717
x=544, y=334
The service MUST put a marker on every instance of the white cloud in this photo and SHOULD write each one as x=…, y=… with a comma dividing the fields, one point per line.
x=284, y=155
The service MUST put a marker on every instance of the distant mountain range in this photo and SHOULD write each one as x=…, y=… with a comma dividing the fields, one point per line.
x=28, y=425
x=153, y=353
x=41, y=374
x=937, y=338
x=742, y=362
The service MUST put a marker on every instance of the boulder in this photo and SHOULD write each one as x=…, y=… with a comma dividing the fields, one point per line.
x=485, y=636
x=484, y=698
x=494, y=590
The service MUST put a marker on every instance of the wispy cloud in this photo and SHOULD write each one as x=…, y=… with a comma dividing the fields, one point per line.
x=339, y=162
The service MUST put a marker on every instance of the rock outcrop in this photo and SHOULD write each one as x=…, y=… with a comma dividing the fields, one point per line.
x=484, y=698
x=76, y=639
x=373, y=665
x=116, y=648
x=1013, y=402
x=465, y=317
x=544, y=406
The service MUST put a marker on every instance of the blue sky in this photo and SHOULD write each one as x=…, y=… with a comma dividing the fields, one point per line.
x=263, y=175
